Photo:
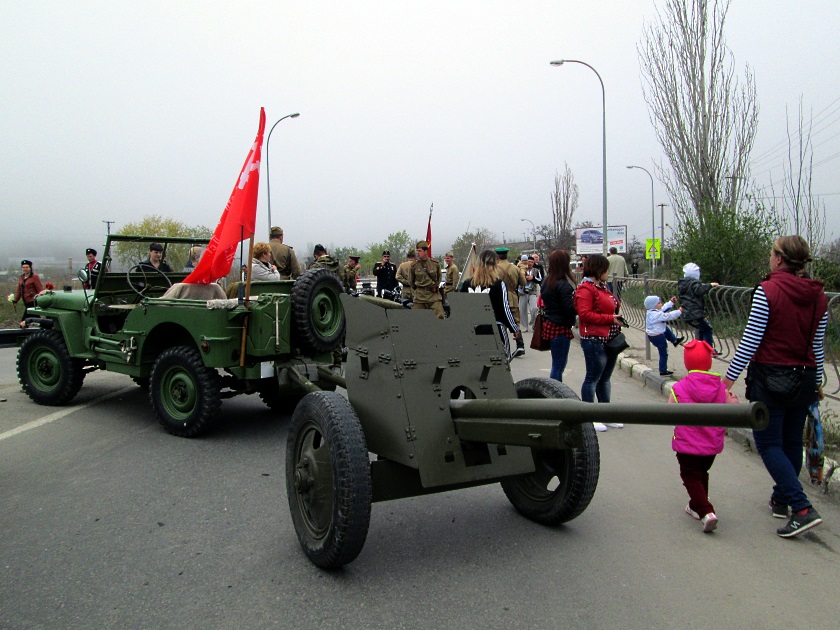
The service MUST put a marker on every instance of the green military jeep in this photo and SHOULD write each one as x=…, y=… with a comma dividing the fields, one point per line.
x=190, y=345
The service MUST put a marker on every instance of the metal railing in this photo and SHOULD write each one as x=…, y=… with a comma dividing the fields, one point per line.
x=727, y=309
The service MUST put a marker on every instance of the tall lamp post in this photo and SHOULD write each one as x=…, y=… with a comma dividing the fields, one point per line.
x=652, y=213
x=604, y=134
x=533, y=232
x=267, y=175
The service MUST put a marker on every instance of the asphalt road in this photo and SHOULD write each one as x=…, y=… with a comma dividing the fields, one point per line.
x=107, y=521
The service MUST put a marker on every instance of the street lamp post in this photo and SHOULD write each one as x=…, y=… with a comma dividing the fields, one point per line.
x=533, y=232
x=604, y=134
x=267, y=175
x=652, y=213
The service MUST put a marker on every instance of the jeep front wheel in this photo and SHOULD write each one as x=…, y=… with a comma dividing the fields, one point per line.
x=183, y=392
x=47, y=372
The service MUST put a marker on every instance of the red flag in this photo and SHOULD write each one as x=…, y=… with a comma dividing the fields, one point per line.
x=429, y=231
x=238, y=218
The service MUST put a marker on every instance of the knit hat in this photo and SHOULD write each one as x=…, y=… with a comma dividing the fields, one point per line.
x=651, y=301
x=691, y=270
x=698, y=355
x=524, y=257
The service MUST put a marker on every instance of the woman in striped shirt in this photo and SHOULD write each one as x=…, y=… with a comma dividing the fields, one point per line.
x=783, y=341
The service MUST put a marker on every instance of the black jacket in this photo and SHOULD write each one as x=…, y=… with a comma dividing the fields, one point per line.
x=559, y=303
x=691, y=292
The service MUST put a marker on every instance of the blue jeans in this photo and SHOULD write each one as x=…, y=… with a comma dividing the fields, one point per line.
x=669, y=334
x=780, y=444
x=661, y=344
x=704, y=331
x=559, y=356
x=599, y=369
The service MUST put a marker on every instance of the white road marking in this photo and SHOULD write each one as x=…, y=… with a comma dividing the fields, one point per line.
x=60, y=414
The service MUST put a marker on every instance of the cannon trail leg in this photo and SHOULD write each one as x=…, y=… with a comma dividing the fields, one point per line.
x=328, y=479
x=564, y=481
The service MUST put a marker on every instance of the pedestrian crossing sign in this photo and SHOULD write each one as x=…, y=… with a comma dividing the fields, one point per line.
x=653, y=247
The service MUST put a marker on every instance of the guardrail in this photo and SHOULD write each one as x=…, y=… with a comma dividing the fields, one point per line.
x=727, y=309
x=11, y=337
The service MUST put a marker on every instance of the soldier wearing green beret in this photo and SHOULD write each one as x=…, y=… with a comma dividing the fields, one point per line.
x=424, y=277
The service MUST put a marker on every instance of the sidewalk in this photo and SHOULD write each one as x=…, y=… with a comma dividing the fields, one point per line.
x=633, y=362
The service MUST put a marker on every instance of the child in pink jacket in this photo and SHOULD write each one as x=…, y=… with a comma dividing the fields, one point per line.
x=696, y=447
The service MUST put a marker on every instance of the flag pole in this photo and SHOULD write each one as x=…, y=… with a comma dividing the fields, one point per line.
x=247, y=297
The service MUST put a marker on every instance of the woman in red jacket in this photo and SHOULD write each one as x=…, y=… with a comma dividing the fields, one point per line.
x=29, y=285
x=597, y=311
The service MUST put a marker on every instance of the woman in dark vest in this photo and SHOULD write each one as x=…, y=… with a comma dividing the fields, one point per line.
x=783, y=343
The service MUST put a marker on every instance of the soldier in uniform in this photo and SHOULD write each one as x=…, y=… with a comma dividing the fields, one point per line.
x=452, y=275
x=386, y=274
x=513, y=278
x=348, y=273
x=402, y=275
x=424, y=278
x=282, y=256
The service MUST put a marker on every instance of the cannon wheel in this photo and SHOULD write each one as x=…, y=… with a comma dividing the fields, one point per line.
x=47, y=372
x=317, y=314
x=328, y=479
x=564, y=481
x=183, y=392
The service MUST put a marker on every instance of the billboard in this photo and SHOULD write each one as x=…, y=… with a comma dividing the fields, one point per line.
x=590, y=240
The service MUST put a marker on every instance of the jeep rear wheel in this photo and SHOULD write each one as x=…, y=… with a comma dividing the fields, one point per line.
x=183, y=392
x=47, y=372
x=317, y=314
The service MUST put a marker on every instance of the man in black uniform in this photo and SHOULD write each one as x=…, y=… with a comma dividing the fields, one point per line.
x=386, y=274
x=93, y=267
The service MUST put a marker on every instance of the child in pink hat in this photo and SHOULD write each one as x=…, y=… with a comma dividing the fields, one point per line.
x=696, y=447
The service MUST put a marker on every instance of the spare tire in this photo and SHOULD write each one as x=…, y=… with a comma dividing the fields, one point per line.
x=317, y=315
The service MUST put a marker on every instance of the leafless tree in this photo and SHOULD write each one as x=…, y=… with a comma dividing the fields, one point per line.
x=704, y=118
x=564, y=203
x=800, y=212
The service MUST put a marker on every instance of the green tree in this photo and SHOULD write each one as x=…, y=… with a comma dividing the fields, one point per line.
x=128, y=254
x=482, y=237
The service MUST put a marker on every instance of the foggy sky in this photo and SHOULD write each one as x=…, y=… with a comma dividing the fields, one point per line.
x=112, y=111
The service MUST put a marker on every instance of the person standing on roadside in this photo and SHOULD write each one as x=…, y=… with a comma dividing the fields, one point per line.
x=783, y=344
x=93, y=267
x=386, y=274
x=513, y=279
x=692, y=294
x=558, y=294
x=597, y=310
x=424, y=278
x=618, y=269
x=28, y=286
x=402, y=276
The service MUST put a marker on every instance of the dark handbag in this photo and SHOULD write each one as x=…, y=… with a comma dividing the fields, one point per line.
x=537, y=341
x=617, y=344
x=782, y=381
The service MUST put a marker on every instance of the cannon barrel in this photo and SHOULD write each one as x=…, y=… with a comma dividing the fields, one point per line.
x=551, y=423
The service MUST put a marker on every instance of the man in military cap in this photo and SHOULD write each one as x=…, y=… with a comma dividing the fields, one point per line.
x=282, y=256
x=424, y=277
x=324, y=261
x=402, y=275
x=349, y=272
x=514, y=278
x=386, y=274
x=155, y=259
x=452, y=275
x=93, y=267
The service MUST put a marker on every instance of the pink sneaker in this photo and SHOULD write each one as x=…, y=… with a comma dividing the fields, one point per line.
x=709, y=522
x=692, y=513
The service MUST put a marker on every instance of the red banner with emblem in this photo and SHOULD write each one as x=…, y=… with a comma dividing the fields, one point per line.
x=237, y=221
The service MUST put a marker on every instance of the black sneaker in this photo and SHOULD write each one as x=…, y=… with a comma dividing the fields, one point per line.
x=799, y=523
x=779, y=509
x=666, y=373
x=678, y=341
x=517, y=353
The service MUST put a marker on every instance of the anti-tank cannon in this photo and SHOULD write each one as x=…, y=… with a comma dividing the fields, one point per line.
x=430, y=407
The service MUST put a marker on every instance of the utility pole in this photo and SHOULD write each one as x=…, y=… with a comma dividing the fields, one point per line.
x=662, y=233
x=108, y=224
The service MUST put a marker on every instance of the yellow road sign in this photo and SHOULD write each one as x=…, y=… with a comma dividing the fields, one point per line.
x=653, y=249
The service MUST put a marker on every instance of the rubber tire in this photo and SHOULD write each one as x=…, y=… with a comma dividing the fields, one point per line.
x=576, y=470
x=183, y=392
x=142, y=382
x=328, y=480
x=318, y=322
x=47, y=372
x=274, y=400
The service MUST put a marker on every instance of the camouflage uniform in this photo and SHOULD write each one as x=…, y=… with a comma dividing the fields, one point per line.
x=327, y=262
x=283, y=257
x=402, y=278
x=424, y=278
x=348, y=277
